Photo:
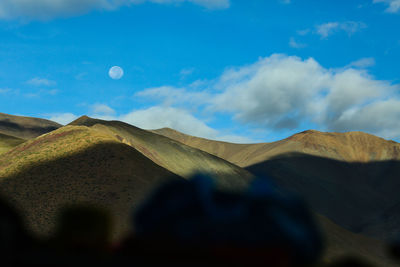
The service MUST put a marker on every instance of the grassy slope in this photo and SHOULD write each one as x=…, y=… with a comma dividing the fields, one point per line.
x=77, y=164
x=172, y=155
x=25, y=127
x=7, y=142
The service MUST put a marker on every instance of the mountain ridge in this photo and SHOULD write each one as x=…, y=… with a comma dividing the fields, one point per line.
x=25, y=127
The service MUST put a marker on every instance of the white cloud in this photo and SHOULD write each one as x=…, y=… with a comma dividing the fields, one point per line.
x=186, y=72
x=4, y=90
x=282, y=92
x=102, y=110
x=41, y=82
x=63, y=118
x=294, y=44
x=303, y=32
x=393, y=5
x=350, y=27
x=48, y=9
x=175, y=118
x=362, y=63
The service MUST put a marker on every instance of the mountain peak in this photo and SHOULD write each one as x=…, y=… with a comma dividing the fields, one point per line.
x=81, y=120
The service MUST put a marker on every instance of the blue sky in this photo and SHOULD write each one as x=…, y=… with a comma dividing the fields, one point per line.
x=234, y=70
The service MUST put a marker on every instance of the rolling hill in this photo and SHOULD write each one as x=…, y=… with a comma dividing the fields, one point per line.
x=349, y=147
x=76, y=164
x=174, y=156
x=7, y=142
x=25, y=127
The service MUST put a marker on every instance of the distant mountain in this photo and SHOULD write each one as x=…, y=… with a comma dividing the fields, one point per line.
x=25, y=127
x=7, y=142
x=349, y=147
x=178, y=158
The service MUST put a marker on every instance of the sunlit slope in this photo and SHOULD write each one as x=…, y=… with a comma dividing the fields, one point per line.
x=25, y=127
x=178, y=158
x=77, y=164
x=7, y=142
x=350, y=146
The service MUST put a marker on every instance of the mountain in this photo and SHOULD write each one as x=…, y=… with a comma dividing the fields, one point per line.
x=349, y=177
x=7, y=142
x=174, y=156
x=25, y=127
x=112, y=164
x=349, y=147
x=77, y=164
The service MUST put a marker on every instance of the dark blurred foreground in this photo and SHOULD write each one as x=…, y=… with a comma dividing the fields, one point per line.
x=184, y=223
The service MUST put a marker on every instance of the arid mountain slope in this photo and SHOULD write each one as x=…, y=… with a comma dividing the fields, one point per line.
x=77, y=164
x=7, y=142
x=350, y=146
x=176, y=157
x=25, y=127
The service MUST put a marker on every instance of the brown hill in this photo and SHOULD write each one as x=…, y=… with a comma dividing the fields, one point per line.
x=77, y=164
x=350, y=147
x=25, y=127
x=7, y=142
x=176, y=157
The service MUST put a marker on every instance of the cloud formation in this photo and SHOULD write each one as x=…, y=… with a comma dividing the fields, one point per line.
x=63, y=118
x=293, y=43
x=41, y=82
x=393, y=5
x=49, y=9
x=350, y=27
x=102, y=110
x=362, y=63
x=286, y=92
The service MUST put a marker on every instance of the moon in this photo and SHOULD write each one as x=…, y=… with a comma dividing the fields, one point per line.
x=116, y=73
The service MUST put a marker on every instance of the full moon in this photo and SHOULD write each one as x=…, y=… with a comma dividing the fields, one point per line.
x=116, y=73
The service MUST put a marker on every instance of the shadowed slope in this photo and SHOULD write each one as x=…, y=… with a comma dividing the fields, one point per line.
x=340, y=242
x=7, y=142
x=25, y=127
x=77, y=164
x=350, y=146
x=351, y=178
x=170, y=154
x=354, y=195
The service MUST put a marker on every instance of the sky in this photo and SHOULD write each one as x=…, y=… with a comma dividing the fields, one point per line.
x=233, y=70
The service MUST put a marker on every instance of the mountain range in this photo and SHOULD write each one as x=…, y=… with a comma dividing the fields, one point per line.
x=350, y=180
